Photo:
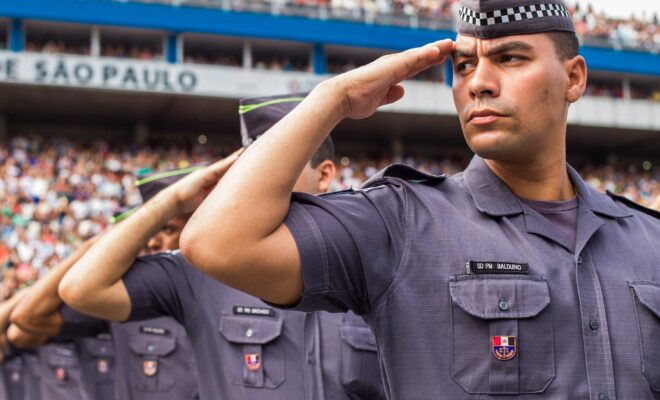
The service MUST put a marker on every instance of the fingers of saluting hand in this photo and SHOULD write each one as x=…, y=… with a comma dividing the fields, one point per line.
x=411, y=62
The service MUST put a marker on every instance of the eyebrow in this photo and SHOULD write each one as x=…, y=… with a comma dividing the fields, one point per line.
x=497, y=50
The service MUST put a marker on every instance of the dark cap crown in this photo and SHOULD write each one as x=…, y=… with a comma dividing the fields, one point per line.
x=487, y=19
x=260, y=113
x=150, y=185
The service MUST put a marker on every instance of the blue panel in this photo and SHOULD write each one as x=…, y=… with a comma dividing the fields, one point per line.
x=449, y=73
x=16, y=36
x=171, y=52
x=215, y=21
x=319, y=60
x=621, y=61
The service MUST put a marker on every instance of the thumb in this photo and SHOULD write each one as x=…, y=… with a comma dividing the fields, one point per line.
x=394, y=94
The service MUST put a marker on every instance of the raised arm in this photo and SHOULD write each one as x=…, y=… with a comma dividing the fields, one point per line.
x=38, y=310
x=94, y=284
x=237, y=234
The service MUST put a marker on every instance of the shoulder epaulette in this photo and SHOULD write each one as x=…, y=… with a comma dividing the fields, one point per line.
x=404, y=172
x=636, y=206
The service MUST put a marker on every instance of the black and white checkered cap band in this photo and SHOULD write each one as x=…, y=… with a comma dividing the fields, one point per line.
x=506, y=15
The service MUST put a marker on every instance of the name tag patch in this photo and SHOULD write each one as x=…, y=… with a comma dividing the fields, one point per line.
x=258, y=311
x=152, y=330
x=497, y=267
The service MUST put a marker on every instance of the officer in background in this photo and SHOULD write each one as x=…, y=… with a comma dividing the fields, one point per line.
x=245, y=349
x=511, y=279
x=152, y=359
x=19, y=369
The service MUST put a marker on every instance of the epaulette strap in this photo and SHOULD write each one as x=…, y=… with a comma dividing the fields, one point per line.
x=633, y=205
x=404, y=172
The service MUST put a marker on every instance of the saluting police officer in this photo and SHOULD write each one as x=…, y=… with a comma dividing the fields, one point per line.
x=511, y=278
x=151, y=359
x=245, y=348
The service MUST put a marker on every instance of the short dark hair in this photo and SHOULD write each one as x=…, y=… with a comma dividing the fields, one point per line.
x=566, y=44
x=325, y=152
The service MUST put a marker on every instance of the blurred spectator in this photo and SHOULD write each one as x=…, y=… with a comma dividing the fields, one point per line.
x=56, y=193
x=213, y=59
x=595, y=29
x=130, y=51
x=57, y=47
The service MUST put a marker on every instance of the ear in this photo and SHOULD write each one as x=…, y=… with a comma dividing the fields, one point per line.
x=576, y=68
x=325, y=174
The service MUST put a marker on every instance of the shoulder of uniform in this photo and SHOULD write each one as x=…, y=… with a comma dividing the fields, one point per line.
x=404, y=172
x=631, y=204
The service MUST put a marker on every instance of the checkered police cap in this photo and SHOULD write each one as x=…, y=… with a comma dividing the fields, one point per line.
x=260, y=113
x=487, y=19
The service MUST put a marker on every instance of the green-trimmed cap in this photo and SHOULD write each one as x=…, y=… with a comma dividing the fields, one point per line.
x=258, y=114
x=150, y=185
x=122, y=214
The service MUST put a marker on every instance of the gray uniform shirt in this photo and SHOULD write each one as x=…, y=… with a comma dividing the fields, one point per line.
x=153, y=358
x=473, y=294
x=248, y=350
x=19, y=376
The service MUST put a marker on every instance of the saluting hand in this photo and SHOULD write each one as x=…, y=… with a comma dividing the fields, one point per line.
x=190, y=191
x=365, y=89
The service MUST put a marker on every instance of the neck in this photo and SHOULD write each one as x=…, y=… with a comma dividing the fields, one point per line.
x=544, y=179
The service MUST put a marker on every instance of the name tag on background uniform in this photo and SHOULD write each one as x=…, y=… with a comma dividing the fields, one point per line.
x=496, y=267
x=254, y=311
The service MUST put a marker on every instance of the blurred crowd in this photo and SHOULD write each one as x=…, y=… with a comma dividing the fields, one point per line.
x=636, y=32
x=57, y=193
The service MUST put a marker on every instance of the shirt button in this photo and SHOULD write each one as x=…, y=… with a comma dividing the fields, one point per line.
x=249, y=333
x=503, y=304
x=593, y=324
x=602, y=396
x=371, y=341
x=151, y=348
x=311, y=360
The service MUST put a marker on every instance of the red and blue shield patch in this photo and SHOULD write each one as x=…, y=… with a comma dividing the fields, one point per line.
x=253, y=361
x=504, y=347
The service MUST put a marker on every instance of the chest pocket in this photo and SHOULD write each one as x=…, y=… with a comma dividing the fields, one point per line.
x=647, y=299
x=101, y=360
x=255, y=355
x=360, y=371
x=62, y=366
x=153, y=368
x=502, y=336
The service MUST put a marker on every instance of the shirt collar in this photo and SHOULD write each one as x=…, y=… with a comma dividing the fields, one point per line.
x=493, y=197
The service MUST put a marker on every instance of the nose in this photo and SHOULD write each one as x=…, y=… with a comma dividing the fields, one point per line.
x=484, y=81
x=155, y=244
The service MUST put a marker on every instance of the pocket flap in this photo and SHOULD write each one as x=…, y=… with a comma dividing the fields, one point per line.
x=99, y=348
x=648, y=293
x=152, y=345
x=62, y=356
x=250, y=330
x=500, y=297
x=358, y=337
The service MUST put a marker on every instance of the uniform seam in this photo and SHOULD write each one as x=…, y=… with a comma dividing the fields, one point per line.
x=404, y=254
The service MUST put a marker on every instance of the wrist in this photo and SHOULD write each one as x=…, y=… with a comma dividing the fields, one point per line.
x=165, y=203
x=332, y=94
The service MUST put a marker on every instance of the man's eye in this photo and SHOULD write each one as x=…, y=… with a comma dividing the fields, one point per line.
x=462, y=66
x=510, y=58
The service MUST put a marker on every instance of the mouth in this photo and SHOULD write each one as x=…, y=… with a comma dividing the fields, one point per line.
x=484, y=117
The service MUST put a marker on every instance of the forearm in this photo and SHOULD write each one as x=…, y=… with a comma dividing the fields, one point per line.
x=8, y=306
x=93, y=285
x=252, y=199
x=38, y=307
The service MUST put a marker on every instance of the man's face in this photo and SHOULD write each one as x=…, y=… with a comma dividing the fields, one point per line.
x=510, y=95
x=168, y=237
